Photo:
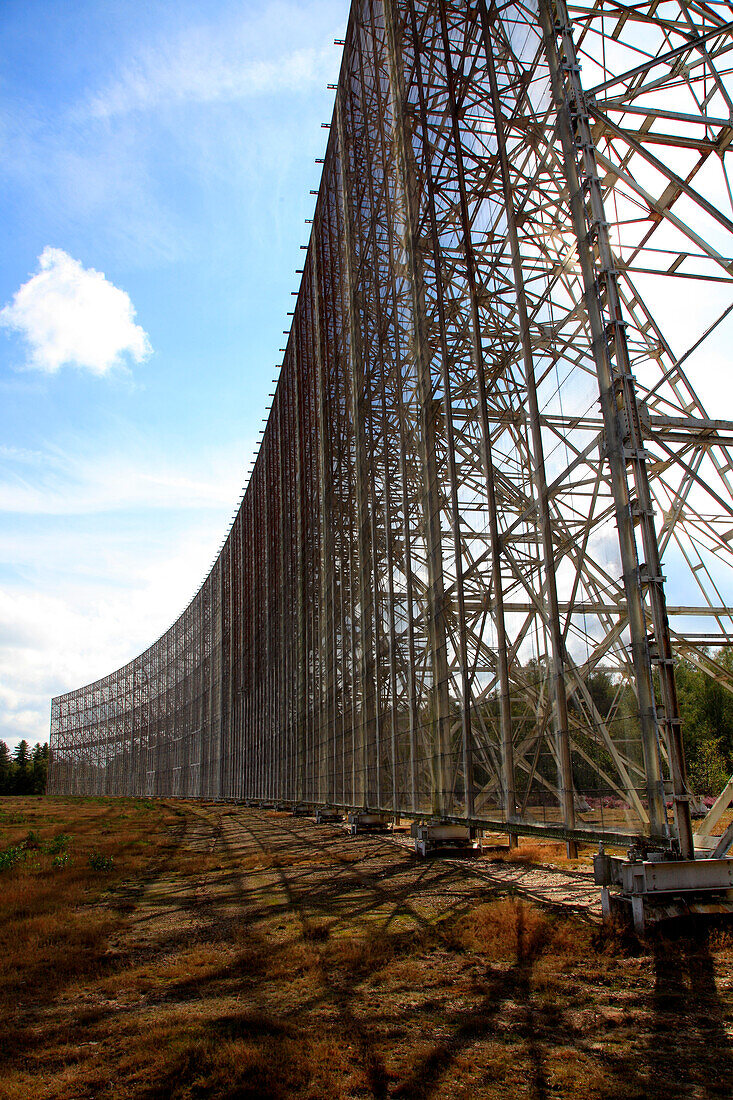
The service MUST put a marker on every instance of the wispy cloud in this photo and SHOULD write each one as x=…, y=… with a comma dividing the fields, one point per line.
x=226, y=62
x=187, y=77
x=69, y=315
x=63, y=631
x=81, y=594
x=180, y=144
x=57, y=482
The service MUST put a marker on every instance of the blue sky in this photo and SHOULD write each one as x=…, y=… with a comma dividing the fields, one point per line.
x=156, y=166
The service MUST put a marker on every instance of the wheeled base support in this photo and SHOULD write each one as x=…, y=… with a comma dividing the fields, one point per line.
x=328, y=817
x=363, y=822
x=433, y=836
x=658, y=889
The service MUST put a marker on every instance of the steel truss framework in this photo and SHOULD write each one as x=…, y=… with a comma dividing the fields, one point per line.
x=444, y=591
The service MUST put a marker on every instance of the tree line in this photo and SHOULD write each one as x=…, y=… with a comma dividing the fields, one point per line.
x=25, y=770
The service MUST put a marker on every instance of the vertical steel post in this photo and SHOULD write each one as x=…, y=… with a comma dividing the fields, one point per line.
x=367, y=670
x=620, y=415
x=439, y=719
x=505, y=713
x=326, y=540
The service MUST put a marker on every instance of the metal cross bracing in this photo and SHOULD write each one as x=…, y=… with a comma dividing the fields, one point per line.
x=489, y=508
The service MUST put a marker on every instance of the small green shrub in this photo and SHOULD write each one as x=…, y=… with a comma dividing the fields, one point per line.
x=99, y=862
x=32, y=840
x=59, y=844
x=11, y=857
x=61, y=859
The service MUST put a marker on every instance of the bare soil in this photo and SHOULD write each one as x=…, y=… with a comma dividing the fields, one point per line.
x=234, y=952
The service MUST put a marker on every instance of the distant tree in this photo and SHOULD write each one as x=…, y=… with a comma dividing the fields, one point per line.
x=706, y=709
x=22, y=761
x=25, y=771
x=708, y=769
x=6, y=769
x=39, y=769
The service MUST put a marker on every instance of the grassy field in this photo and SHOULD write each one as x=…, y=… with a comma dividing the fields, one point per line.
x=172, y=949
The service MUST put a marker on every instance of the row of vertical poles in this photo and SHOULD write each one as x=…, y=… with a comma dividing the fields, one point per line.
x=387, y=625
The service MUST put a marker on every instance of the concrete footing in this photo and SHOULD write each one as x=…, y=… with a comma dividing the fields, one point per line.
x=659, y=888
x=436, y=835
x=363, y=822
x=327, y=816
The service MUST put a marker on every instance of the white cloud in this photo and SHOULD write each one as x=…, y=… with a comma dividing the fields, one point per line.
x=71, y=315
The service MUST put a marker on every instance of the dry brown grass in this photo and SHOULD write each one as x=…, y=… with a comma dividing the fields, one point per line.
x=358, y=956
x=256, y=957
x=541, y=853
x=510, y=929
x=50, y=928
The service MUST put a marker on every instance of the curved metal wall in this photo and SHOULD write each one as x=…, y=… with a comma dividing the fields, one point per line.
x=442, y=593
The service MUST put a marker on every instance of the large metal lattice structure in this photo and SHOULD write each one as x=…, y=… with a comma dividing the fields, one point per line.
x=488, y=510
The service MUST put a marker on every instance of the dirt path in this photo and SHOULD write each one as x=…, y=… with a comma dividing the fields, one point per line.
x=269, y=957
